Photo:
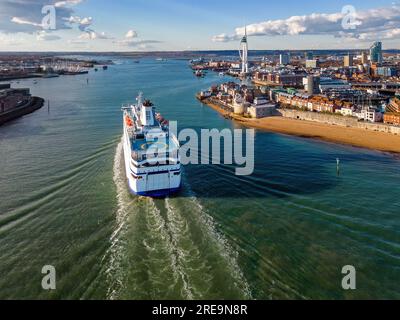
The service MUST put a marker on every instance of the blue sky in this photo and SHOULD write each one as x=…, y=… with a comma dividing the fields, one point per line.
x=102, y=25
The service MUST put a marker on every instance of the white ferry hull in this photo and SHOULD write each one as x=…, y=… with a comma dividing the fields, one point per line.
x=159, y=181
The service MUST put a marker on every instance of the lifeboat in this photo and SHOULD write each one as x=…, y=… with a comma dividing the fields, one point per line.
x=128, y=121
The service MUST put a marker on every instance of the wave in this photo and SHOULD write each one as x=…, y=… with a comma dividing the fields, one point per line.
x=168, y=249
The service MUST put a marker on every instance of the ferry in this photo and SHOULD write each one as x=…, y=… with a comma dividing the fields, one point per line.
x=151, y=152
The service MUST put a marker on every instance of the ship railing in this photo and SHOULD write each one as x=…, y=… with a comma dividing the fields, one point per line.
x=169, y=156
x=126, y=106
x=157, y=162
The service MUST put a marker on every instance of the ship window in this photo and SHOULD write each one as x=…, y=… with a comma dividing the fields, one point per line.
x=148, y=115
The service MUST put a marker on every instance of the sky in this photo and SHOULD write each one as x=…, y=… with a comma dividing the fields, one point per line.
x=174, y=25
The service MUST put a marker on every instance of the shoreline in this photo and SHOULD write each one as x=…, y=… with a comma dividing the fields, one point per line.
x=356, y=137
x=35, y=104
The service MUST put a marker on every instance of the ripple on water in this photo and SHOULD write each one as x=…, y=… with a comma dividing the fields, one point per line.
x=169, y=249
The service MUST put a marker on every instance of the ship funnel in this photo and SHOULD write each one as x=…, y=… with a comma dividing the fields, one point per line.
x=147, y=114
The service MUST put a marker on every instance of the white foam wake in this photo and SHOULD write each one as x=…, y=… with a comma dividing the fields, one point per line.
x=114, y=273
x=207, y=225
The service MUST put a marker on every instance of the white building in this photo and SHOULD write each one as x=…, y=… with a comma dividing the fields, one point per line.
x=205, y=94
x=239, y=105
x=369, y=114
x=311, y=64
x=346, y=111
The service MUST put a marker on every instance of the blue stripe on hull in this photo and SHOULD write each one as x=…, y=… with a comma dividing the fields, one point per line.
x=156, y=193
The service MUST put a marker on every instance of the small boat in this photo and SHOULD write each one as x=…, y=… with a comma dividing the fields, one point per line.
x=105, y=67
x=199, y=73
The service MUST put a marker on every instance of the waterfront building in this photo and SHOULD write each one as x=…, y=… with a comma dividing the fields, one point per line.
x=205, y=94
x=385, y=72
x=281, y=79
x=346, y=110
x=13, y=98
x=309, y=56
x=239, y=105
x=284, y=59
x=348, y=60
x=329, y=84
x=311, y=84
x=369, y=114
x=311, y=64
x=392, y=118
x=394, y=105
x=364, y=58
x=243, y=52
x=261, y=108
x=316, y=103
x=376, y=53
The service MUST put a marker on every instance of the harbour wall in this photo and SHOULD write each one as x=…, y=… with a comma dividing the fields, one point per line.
x=338, y=120
x=35, y=104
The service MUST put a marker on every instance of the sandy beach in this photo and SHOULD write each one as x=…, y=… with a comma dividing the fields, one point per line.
x=351, y=136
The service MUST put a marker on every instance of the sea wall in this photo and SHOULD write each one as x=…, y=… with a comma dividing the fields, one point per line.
x=338, y=120
x=35, y=104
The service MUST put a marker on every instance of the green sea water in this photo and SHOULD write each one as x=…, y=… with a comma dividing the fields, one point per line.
x=284, y=232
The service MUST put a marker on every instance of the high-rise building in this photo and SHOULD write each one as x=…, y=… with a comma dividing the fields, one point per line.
x=348, y=60
x=364, y=57
x=284, y=59
x=312, y=84
x=309, y=56
x=244, y=53
x=376, y=53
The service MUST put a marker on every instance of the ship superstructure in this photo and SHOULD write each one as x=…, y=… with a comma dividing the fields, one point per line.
x=151, y=152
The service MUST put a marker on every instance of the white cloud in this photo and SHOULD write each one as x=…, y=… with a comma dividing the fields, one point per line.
x=18, y=20
x=93, y=35
x=131, y=34
x=131, y=40
x=45, y=36
x=224, y=38
x=7, y=40
x=136, y=43
x=83, y=23
x=67, y=3
x=84, y=26
x=379, y=23
x=26, y=15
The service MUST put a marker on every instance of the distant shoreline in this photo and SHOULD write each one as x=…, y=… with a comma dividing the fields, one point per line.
x=356, y=137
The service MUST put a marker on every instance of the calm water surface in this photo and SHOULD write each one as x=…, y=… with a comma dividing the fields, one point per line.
x=284, y=232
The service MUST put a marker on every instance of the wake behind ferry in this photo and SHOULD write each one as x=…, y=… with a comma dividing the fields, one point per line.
x=151, y=152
